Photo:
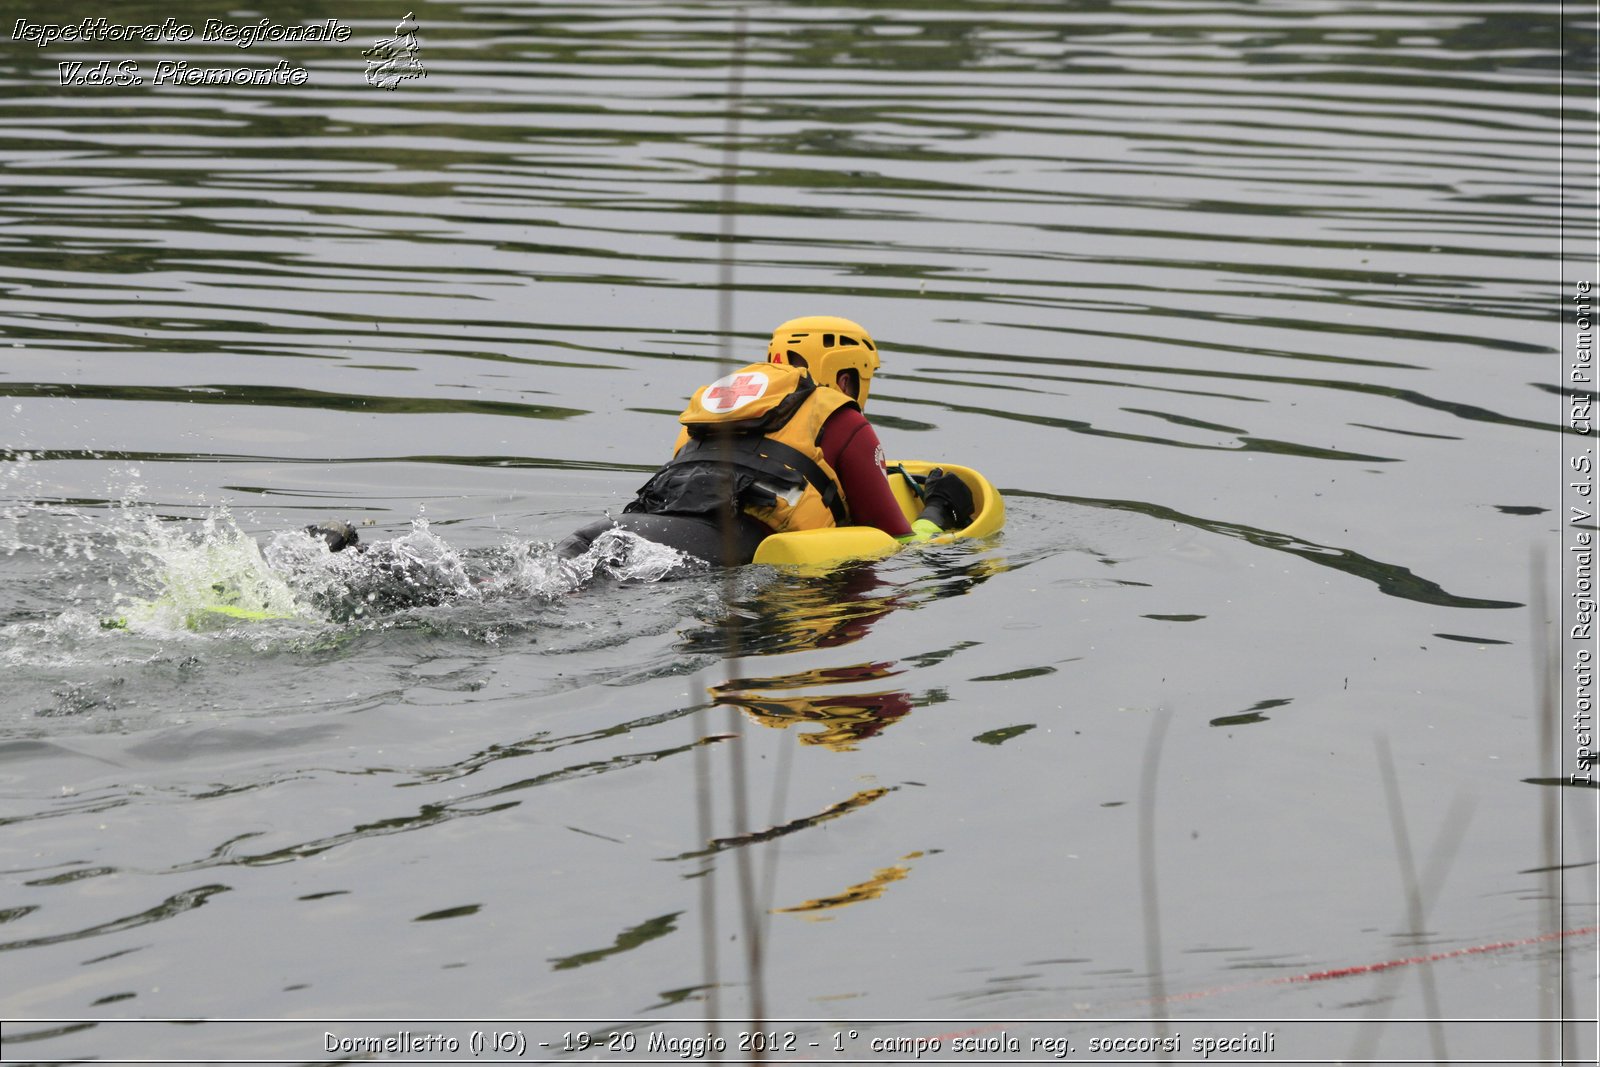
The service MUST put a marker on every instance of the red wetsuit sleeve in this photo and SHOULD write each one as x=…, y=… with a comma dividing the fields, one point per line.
x=851, y=447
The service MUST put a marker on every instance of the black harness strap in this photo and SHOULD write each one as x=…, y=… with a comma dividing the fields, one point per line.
x=766, y=456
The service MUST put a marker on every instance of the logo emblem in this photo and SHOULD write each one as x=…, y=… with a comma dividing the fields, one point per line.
x=734, y=391
x=392, y=60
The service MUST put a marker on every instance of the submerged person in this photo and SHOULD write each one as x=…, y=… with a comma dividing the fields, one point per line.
x=382, y=577
x=779, y=446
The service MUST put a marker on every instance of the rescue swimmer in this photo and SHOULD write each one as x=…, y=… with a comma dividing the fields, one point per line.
x=779, y=446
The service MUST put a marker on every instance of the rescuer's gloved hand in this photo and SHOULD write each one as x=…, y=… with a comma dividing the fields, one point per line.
x=921, y=530
x=946, y=500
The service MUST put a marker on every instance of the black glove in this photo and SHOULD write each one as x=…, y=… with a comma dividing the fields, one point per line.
x=338, y=535
x=947, y=502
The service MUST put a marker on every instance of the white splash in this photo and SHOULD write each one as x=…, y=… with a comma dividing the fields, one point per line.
x=539, y=570
x=376, y=577
x=199, y=577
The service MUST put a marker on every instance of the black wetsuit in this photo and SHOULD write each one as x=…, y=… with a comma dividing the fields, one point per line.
x=700, y=536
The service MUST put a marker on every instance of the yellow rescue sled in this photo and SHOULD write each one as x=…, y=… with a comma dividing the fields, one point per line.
x=834, y=544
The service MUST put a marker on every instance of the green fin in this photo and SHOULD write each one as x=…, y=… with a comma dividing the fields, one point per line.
x=199, y=620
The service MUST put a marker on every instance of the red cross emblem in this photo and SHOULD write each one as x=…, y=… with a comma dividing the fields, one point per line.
x=734, y=391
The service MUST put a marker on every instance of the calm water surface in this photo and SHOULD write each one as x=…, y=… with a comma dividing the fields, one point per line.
x=1251, y=311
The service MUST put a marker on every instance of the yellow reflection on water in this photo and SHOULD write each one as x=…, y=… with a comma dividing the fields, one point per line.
x=871, y=889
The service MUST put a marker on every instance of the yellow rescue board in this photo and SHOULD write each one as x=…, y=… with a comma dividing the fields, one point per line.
x=835, y=544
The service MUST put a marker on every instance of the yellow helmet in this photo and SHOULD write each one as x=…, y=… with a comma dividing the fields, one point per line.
x=827, y=346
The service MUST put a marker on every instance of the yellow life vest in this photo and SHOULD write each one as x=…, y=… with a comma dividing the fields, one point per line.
x=751, y=436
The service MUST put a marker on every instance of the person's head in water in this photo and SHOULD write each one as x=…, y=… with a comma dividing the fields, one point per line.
x=836, y=352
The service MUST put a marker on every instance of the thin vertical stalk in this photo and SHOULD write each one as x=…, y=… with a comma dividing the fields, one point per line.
x=1148, y=880
x=1441, y=857
x=1415, y=914
x=1555, y=995
x=726, y=291
x=780, y=792
x=708, y=884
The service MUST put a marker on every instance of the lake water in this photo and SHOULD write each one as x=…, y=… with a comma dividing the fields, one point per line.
x=1255, y=313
